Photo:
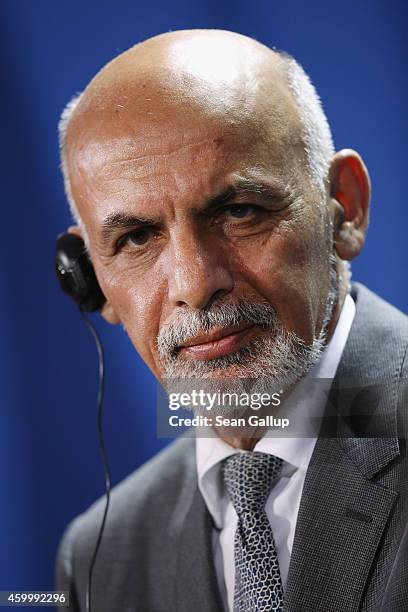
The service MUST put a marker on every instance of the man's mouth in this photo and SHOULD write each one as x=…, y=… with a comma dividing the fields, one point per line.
x=218, y=342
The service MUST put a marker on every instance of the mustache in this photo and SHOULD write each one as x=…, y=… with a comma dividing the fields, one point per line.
x=188, y=324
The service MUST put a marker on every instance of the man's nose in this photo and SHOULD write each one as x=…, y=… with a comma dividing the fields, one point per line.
x=198, y=272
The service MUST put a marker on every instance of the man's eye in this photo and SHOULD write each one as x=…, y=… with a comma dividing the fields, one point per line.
x=240, y=211
x=135, y=238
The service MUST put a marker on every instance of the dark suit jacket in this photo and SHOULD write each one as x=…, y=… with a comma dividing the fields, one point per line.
x=350, y=552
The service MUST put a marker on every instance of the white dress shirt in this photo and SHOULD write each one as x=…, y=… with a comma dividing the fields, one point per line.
x=283, y=502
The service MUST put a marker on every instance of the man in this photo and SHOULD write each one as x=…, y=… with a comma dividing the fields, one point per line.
x=201, y=171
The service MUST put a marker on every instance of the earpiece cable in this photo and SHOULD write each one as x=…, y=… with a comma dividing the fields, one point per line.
x=102, y=448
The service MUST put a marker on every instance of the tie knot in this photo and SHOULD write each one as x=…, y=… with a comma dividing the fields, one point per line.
x=249, y=477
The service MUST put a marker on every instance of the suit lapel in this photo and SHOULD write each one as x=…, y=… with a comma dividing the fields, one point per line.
x=343, y=512
x=340, y=523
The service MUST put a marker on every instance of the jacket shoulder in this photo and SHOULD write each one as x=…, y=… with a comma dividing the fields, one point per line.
x=378, y=340
x=378, y=310
x=156, y=482
x=137, y=517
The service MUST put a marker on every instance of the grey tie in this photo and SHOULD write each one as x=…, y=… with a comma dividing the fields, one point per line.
x=249, y=478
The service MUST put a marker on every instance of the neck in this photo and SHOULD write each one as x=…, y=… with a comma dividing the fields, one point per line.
x=247, y=444
x=246, y=438
x=343, y=290
x=236, y=440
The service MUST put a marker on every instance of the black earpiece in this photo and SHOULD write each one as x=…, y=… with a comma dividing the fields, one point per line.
x=76, y=274
x=77, y=278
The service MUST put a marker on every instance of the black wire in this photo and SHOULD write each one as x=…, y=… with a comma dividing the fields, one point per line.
x=102, y=449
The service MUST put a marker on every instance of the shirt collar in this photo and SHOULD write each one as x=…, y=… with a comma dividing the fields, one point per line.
x=295, y=452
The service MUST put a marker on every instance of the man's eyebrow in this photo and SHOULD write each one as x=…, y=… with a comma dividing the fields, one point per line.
x=120, y=221
x=244, y=187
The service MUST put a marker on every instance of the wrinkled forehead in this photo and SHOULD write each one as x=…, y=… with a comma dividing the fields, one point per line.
x=187, y=128
x=177, y=80
x=150, y=113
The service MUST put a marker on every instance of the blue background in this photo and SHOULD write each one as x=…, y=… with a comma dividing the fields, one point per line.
x=356, y=54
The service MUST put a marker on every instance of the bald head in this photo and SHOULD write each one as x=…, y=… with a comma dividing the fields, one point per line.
x=210, y=76
x=217, y=73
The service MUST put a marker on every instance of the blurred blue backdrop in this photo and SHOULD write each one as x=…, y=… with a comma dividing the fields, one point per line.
x=356, y=54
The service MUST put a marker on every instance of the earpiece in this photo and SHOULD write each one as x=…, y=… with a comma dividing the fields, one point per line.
x=77, y=278
x=76, y=274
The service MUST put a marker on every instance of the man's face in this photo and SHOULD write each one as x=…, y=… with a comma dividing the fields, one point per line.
x=188, y=213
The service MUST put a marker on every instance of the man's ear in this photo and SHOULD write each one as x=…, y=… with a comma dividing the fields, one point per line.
x=350, y=191
x=76, y=230
x=107, y=312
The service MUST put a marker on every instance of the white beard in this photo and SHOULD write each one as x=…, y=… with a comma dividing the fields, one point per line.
x=272, y=362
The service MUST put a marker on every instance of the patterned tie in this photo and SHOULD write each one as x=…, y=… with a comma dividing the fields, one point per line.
x=249, y=478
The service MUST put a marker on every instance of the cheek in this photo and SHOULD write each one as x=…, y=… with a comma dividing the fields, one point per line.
x=289, y=268
x=138, y=305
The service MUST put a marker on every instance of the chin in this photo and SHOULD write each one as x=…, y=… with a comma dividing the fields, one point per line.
x=231, y=372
